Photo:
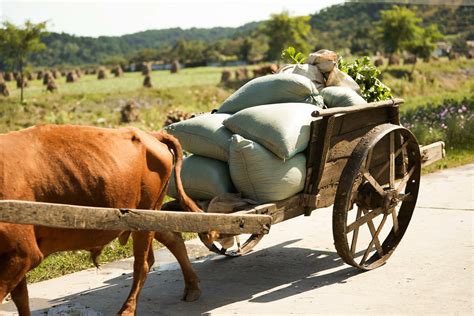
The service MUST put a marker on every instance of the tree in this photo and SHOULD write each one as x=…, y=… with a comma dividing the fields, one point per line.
x=283, y=31
x=18, y=43
x=397, y=27
x=425, y=42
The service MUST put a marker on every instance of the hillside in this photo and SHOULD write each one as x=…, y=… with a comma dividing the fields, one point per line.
x=348, y=25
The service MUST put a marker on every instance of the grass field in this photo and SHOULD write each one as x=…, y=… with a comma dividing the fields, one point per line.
x=98, y=102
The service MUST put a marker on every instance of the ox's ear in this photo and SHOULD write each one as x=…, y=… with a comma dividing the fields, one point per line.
x=123, y=238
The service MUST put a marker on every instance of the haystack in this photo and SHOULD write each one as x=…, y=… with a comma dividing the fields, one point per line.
x=174, y=116
x=265, y=70
x=147, y=82
x=241, y=74
x=30, y=76
x=39, y=75
x=117, y=71
x=130, y=112
x=51, y=86
x=21, y=82
x=101, y=74
x=378, y=62
x=47, y=76
x=56, y=74
x=225, y=76
x=175, y=67
x=4, y=89
x=8, y=76
x=409, y=60
x=71, y=77
x=78, y=73
x=393, y=60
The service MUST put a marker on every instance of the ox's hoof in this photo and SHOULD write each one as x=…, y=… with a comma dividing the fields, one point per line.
x=191, y=295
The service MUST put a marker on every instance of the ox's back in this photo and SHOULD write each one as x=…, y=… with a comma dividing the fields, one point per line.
x=82, y=165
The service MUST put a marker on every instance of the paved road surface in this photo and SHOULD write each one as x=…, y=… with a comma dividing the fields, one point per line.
x=295, y=270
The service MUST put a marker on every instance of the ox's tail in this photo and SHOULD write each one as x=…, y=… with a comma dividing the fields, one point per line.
x=184, y=200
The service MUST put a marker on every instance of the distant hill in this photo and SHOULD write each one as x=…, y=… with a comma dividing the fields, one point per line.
x=63, y=48
x=347, y=25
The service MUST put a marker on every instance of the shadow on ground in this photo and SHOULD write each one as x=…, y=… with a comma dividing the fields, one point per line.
x=263, y=276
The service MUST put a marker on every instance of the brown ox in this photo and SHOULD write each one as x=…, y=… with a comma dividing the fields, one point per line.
x=88, y=166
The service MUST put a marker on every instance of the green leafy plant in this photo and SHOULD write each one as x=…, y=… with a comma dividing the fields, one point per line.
x=366, y=75
x=291, y=56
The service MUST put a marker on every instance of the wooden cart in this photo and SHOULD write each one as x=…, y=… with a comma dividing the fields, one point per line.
x=360, y=159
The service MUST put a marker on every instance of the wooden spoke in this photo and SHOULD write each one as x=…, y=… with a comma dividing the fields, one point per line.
x=364, y=219
x=373, y=182
x=372, y=232
x=392, y=160
x=395, y=220
x=356, y=233
x=385, y=166
x=374, y=239
x=405, y=179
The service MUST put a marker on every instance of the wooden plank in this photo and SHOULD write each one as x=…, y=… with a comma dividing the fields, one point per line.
x=432, y=153
x=332, y=172
x=357, y=108
x=358, y=120
x=83, y=217
x=321, y=148
x=327, y=195
x=343, y=145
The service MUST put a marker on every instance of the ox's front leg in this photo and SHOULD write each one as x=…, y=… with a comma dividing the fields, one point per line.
x=20, y=298
x=142, y=242
x=174, y=242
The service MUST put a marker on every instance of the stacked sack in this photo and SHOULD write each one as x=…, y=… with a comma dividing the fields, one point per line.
x=254, y=144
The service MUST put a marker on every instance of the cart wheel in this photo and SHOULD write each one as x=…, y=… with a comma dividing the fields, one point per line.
x=230, y=246
x=376, y=196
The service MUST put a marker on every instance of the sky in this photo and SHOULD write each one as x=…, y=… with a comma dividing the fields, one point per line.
x=118, y=17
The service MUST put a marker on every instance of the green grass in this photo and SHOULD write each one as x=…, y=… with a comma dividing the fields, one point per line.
x=98, y=102
x=66, y=262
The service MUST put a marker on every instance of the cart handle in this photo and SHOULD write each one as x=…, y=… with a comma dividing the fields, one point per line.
x=357, y=108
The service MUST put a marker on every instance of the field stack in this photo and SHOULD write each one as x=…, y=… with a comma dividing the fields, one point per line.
x=146, y=69
x=3, y=87
x=71, y=77
x=117, y=71
x=101, y=74
x=147, y=82
x=47, y=76
x=175, y=67
x=51, y=86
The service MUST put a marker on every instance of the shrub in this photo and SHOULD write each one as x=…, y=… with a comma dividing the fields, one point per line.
x=451, y=121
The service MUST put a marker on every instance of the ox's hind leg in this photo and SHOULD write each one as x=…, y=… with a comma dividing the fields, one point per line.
x=174, y=242
x=141, y=250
